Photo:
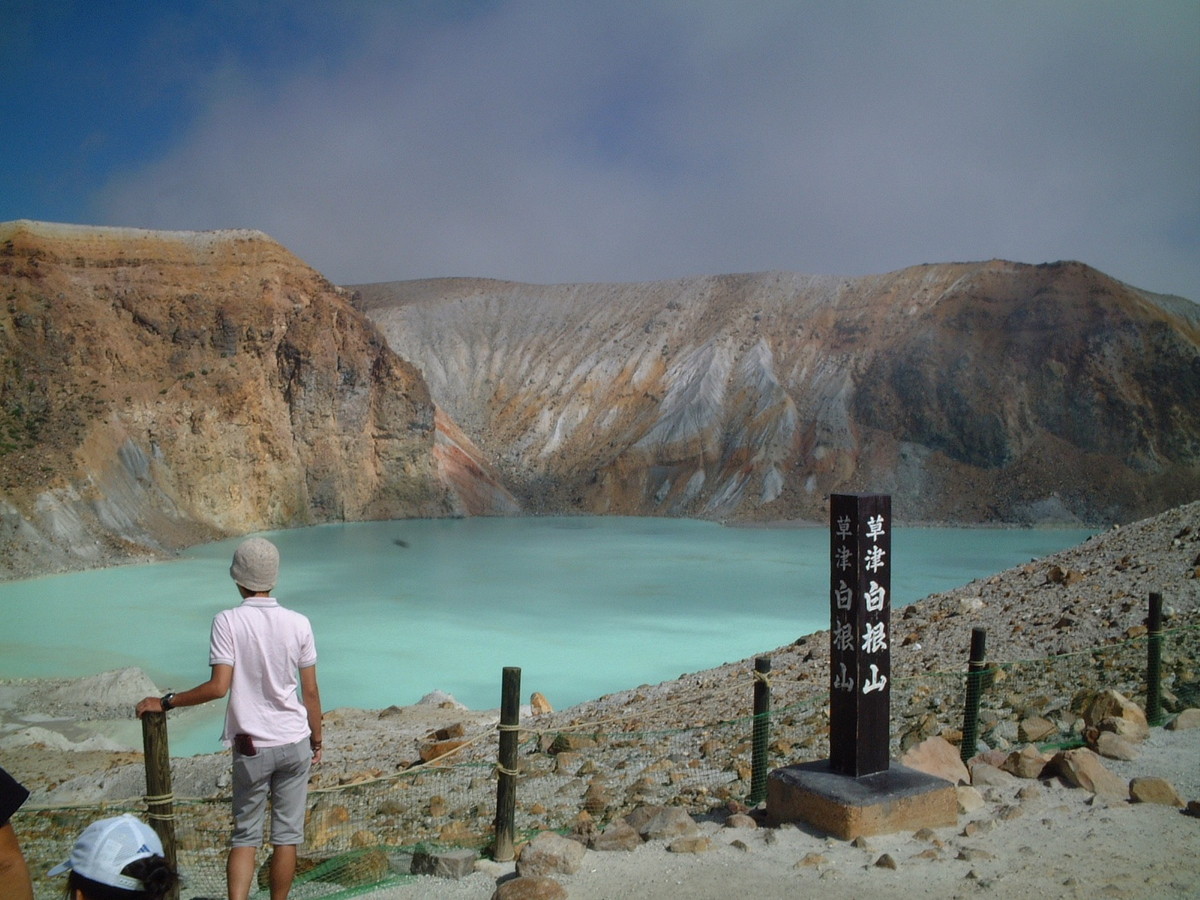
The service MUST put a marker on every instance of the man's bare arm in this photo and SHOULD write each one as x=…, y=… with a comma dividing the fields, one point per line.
x=215, y=688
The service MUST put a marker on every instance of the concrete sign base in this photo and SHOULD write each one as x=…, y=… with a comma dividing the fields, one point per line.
x=898, y=799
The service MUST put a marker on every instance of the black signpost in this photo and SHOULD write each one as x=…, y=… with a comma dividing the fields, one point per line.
x=858, y=791
x=860, y=527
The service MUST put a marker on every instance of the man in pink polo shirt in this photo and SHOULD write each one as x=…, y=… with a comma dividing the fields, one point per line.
x=265, y=658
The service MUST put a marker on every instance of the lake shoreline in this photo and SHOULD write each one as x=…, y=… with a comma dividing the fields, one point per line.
x=1067, y=839
x=1110, y=568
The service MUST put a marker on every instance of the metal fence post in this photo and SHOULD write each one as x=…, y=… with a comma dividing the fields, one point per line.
x=976, y=665
x=762, y=725
x=1154, y=710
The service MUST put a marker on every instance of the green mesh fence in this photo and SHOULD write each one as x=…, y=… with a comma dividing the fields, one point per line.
x=364, y=836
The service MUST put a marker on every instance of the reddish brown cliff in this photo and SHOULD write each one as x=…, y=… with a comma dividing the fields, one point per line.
x=160, y=388
x=970, y=392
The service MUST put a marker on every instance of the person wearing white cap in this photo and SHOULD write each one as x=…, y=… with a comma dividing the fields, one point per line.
x=265, y=658
x=117, y=859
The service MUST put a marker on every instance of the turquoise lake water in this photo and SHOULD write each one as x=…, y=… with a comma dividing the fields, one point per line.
x=585, y=606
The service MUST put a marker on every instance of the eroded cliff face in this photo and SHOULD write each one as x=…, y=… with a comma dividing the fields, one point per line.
x=162, y=388
x=970, y=392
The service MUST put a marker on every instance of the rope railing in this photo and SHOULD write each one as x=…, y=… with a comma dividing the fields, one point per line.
x=364, y=835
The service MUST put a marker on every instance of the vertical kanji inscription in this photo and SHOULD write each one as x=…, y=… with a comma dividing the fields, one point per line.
x=860, y=527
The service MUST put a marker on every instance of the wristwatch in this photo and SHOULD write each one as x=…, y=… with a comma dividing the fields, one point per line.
x=168, y=701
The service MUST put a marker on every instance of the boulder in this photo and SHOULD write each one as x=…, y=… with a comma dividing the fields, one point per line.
x=1028, y=762
x=1082, y=768
x=690, y=843
x=550, y=854
x=539, y=705
x=938, y=757
x=1034, y=729
x=438, y=749
x=668, y=822
x=987, y=775
x=969, y=799
x=444, y=863
x=1151, y=789
x=619, y=835
x=1113, y=746
x=1189, y=718
x=327, y=824
x=1128, y=716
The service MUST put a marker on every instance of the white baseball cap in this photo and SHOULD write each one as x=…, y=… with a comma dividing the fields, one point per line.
x=108, y=846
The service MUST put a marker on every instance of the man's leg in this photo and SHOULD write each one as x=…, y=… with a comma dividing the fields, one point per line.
x=283, y=870
x=289, y=794
x=239, y=872
x=251, y=782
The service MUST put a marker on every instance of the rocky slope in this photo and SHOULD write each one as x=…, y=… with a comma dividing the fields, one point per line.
x=970, y=392
x=163, y=388
x=660, y=742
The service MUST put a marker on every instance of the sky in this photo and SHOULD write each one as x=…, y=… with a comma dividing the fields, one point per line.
x=556, y=141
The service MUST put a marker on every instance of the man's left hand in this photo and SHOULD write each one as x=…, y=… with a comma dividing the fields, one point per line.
x=148, y=704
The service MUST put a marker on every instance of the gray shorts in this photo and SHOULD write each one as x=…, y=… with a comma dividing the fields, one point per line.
x=281, y=772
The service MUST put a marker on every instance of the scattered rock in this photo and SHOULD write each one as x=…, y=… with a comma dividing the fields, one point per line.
x=667, y=822
x=691, y=843
x=1028, y=762
x=1127, y=716
x=618, y=835
x=1188, y=718
x=530, y=887
x=550, y=854
x=1035, y=729
x=1151, y=789
x=740, y=820
x=969, y=799
x=986, y=775
x=444, y=863
x=938, y=757
x=1083, y=768
x=1113, y=746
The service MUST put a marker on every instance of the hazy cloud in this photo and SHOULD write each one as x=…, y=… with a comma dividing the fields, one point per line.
x=639, y=140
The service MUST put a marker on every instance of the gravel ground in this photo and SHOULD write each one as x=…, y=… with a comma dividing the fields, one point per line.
x=1032, y=838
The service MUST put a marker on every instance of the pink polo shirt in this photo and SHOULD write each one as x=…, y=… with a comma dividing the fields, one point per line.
x=267, y=646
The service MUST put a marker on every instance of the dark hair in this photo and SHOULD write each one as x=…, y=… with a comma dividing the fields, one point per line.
x=151, y=871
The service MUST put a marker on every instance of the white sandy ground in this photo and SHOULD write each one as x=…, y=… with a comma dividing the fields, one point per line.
x=1036, y=839
x=1029, y=839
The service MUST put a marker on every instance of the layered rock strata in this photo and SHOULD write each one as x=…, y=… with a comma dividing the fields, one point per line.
x=969, y=392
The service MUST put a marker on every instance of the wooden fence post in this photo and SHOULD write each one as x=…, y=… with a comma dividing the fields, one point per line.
x=506, y=788
x=160, y=810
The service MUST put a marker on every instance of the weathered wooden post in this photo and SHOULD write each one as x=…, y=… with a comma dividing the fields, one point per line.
x=159, y=799
x=506, y=787
x=857, y=791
